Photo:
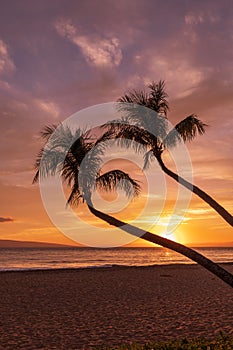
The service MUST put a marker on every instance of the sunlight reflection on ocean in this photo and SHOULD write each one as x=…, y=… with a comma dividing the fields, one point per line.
x=59, y=258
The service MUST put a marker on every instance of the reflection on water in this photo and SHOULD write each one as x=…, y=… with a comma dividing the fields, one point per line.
x=47, y=258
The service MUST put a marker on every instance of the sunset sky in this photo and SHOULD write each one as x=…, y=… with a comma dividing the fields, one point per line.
x=59, y=57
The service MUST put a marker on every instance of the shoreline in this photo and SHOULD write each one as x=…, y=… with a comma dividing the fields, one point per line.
x=106, y=266
x=88, y=308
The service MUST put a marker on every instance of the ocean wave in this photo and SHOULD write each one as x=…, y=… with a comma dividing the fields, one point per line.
x=104, y=266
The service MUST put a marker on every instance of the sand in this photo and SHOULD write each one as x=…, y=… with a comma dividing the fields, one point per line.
x=84, y=309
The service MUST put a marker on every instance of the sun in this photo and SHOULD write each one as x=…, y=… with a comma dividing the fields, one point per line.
x=171, y=235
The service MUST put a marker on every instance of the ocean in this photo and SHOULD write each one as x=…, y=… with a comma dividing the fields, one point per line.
x=12, y=259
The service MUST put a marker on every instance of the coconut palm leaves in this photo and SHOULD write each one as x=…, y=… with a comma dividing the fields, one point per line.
x=151, y=132
x=155, y=99
x=77, y=158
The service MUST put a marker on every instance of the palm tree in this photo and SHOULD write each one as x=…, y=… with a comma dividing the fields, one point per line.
x=63, y=154
x=136, y=126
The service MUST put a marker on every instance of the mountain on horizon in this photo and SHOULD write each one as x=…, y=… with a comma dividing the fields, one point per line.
x=31, y=244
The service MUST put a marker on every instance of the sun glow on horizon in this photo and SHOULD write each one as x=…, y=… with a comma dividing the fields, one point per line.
x=171, y=235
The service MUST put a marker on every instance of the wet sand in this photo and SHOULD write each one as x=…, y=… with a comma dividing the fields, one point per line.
x=84, y=309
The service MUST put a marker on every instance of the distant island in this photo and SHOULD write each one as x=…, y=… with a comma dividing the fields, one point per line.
x=28, y=244
x=32, y=244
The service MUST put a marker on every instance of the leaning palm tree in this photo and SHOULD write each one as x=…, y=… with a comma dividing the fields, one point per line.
x=135, y=126
x=64, y=153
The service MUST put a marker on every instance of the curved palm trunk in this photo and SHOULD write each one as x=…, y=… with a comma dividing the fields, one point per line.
x=218, y=271
x=203, y=195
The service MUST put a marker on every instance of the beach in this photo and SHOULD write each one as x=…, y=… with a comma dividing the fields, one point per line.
x=96, y=307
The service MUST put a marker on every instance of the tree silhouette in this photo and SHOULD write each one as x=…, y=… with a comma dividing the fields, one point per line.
x=76, y=158
x=136, y=127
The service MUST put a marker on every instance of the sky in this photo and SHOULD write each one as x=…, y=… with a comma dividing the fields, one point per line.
x=59, y=57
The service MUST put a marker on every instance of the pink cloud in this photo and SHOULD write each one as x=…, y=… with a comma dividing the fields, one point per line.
x=97, y=50
x=6, y=62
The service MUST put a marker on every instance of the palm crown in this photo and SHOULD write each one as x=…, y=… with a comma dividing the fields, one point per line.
x=77, y=158
x=149, y=126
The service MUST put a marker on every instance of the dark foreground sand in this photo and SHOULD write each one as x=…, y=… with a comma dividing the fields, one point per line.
x=83, y=309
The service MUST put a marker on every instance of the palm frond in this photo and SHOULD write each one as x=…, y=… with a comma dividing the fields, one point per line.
x=107, y=135
x=136, y=136
x=75, y=196
x=149, y=113
x=148, y=158
x=123, y=134
x=118, y=179
x=155, y=99
x=49, y=162
x=172, y=139
x=70, y=170
x=47, y=131
x=190, y=127
x=158, y=98
x=46, y=134
x=139, y=97
x=36, y=177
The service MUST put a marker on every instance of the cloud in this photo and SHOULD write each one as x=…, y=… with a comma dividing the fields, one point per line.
x=2, y=219
x=6, y=63
x=98, y=51
x=199, y=211
x=65, y=28
x=4, y=85
x=181, y=77
x=193, y=19
x=48, y=107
